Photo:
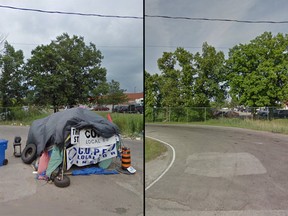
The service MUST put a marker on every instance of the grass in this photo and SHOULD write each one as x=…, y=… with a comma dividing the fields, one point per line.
x=26, y=120
x=275, y=125
x=130, y=125
x=153, y=149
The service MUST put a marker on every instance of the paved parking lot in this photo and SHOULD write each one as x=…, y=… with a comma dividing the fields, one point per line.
x=21, y=194
x=219, y=171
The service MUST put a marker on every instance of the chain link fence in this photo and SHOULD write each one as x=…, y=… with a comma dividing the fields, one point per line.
x=24, y=113
x=196, y=114
x=129, y=124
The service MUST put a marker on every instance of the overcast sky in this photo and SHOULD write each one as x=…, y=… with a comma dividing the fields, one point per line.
x=168, y=34
x=119, y=40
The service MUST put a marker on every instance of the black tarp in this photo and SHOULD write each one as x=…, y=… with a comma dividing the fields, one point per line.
x=55, y=128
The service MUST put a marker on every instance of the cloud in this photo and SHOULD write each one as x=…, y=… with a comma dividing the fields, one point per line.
x=125, y=67
x=167, y=34
x=111, y=36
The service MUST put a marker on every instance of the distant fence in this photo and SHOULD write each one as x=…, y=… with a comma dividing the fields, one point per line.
x=196, y=114
x=23, y=113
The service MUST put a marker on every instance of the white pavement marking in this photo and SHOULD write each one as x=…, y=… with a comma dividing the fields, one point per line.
x=217, y=164
x=258, y=143
x=219, y=213
x=171, y=163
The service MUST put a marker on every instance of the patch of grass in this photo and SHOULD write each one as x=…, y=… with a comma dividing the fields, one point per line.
x=20, y=117
x=129, y=124
x=153, y=149
x=275, y=125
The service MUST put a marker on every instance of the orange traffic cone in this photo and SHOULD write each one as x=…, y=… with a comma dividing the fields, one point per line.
x=126, y=158
x=109, y=117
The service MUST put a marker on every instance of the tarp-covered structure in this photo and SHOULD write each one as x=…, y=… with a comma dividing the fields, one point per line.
x=55, y=128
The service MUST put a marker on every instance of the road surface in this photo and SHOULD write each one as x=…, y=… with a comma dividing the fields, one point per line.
x=21, y=194
x=218, y=171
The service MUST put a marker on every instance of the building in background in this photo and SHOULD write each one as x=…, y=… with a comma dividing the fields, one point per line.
x=135, y=98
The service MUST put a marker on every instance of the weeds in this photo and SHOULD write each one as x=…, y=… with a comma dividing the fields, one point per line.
x=276, y=125
x=153, y=149
x=129, y=124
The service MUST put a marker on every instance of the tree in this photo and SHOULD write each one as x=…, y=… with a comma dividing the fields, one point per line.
x=12, y=90
x=189, y=80
x=152, y=90
x=210, y=79
x=98, y=94
x=153, y=96
x=2, y=41
x=47, y=82
x=192, y=80
x=115, y=94
x=258, y=73
x=66, y=71
x=171, y=77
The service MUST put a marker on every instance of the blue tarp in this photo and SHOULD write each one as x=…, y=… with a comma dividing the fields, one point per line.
x=94, y=170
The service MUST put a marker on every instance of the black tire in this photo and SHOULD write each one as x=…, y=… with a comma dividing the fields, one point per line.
x=65, y=182
x=5, y=162
x=29, y=153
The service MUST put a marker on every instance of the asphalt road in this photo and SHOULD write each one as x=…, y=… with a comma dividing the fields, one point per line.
x=21, y=194
x=219, y=171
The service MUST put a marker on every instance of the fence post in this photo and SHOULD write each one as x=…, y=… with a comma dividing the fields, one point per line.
x=6, y=114
x=205, y=114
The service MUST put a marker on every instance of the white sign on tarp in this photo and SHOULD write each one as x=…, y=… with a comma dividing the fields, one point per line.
x=90, y=138
x=83, y=156
x=74, y=136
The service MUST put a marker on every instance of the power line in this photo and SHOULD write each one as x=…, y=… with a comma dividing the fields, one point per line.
x=99, y=46
x=69, y=13
x=217, y=19
x=186, y=47
x=171, y=46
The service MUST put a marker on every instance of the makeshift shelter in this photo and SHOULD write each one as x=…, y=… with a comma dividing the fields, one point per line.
x=54, y=132
x=54, y=129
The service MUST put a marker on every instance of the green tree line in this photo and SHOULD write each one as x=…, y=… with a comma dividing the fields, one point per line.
x=254, y=75
x=65, y=72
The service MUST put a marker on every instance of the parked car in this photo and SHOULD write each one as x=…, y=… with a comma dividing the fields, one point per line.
x=262, y=113
x=4, y=115
x=275, y=113
x=139, y=109
x=135, y=108
x=101, y=108
x=123, y=109
x=225, y=113
x=282, y=114
x=117, y=108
